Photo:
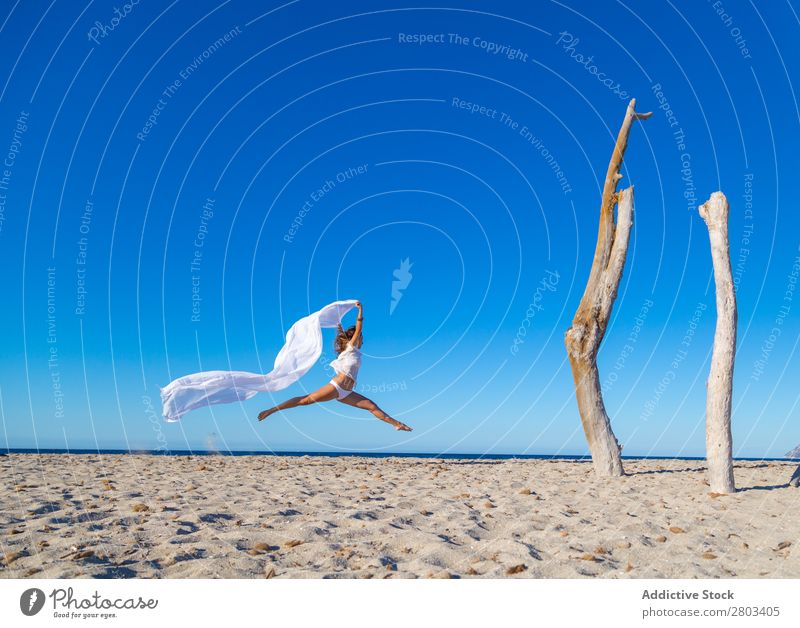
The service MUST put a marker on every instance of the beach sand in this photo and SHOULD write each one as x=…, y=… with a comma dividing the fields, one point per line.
x=70, y=516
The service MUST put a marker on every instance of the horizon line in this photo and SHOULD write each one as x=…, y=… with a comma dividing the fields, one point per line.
x=298, y=453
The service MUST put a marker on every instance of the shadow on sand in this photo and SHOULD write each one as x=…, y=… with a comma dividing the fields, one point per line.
x=694, y=470
x=654, y=471
x=763, y=488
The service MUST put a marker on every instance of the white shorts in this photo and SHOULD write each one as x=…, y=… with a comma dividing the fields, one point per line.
x=341, y=393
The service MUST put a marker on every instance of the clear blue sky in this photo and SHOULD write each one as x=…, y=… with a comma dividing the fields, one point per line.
x=157, y=158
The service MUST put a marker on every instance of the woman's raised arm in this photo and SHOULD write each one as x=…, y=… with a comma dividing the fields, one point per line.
x=359, y=324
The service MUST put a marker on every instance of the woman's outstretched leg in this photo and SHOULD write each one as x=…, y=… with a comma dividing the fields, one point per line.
x=360, y=401
x=326, y=393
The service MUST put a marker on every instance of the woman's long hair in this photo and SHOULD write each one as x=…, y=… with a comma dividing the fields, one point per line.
x=343, y=336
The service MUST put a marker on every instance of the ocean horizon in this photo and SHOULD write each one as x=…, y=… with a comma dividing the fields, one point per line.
x=360, y=454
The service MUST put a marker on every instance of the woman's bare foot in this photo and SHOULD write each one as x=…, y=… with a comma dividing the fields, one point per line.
x=401, y=427
x=265, y=413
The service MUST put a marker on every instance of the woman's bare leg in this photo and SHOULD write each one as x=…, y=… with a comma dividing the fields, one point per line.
x=326, y=393
x=360, y=401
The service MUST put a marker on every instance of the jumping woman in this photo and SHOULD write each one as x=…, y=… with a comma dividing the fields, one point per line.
x=348, y=347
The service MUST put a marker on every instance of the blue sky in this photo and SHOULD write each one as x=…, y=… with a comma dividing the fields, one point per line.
x=183, y=181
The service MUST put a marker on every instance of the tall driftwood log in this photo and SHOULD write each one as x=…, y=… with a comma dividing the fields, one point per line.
x=589, y=325
x=719, y=388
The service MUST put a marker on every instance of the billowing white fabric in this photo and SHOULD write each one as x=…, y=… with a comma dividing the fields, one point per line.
x=302, y=349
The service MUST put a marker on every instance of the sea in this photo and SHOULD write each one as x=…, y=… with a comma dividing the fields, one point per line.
x=360, y=454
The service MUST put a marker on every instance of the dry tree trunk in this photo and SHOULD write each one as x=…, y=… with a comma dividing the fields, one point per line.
x=795, y=480
x=719, y=388
x=589, y=325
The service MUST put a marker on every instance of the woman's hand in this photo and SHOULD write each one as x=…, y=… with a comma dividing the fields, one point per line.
x=358, y=305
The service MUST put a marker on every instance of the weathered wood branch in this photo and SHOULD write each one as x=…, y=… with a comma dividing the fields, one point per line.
x=719, y=387
x=588, y=328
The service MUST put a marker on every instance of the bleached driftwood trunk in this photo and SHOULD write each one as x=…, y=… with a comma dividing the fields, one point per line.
x=589, y=325
x=795, y=481
x=719, y=388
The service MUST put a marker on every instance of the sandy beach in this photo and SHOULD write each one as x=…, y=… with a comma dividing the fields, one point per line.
x=73, y=516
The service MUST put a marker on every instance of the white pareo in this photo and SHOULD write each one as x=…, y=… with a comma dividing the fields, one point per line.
x=301, y=351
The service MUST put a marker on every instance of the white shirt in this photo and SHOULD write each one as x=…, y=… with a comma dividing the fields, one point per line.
x=348, y=362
